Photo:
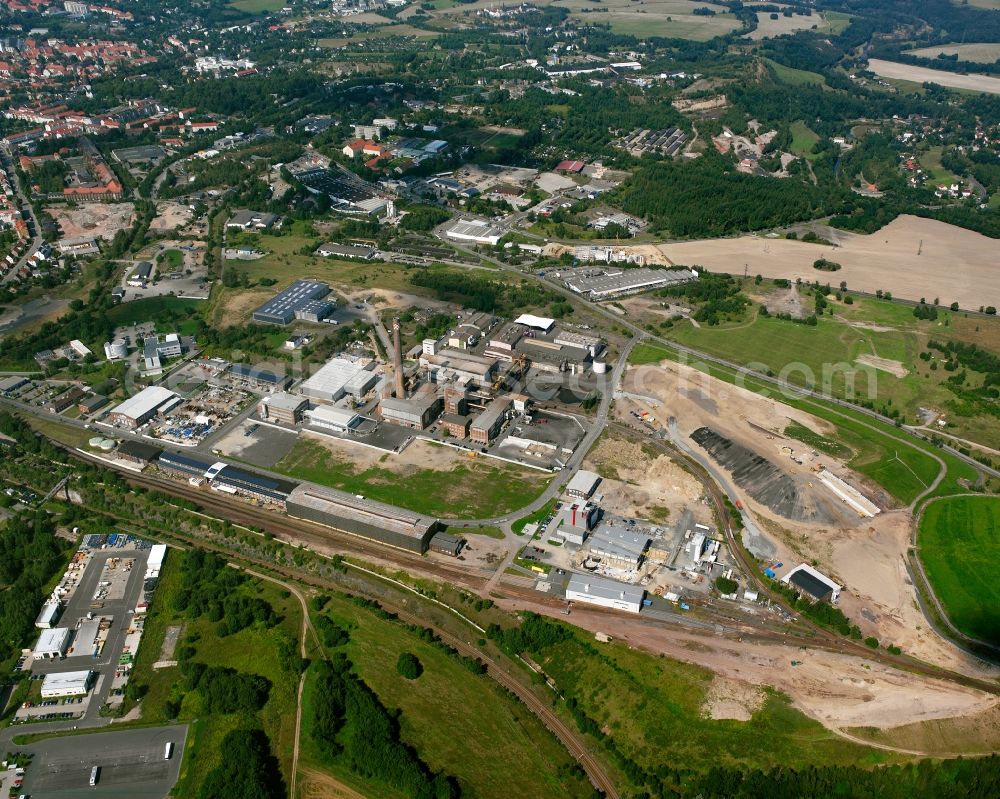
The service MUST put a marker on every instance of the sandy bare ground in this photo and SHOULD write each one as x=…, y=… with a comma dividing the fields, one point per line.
x=837, y=690
x=975, y=83
x=866, y=556
x=99, y=220
x=421, y=454
x=170, y=215
x=733, y=699
x=955, y=265
x=885, y=364
x=645, y=488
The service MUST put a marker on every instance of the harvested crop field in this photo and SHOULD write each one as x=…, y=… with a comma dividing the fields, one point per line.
x=980, y=53
x=954, y=264
x=953, y=80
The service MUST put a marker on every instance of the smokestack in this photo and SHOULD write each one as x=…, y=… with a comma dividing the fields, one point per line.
x=397, y=359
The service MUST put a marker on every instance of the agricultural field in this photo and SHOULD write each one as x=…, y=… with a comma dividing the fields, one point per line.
x=475, y=734
x=437, y=481
x=887, y=260
x=983, y=53
x=953, y=80
x=958, y=544
x=768, y=28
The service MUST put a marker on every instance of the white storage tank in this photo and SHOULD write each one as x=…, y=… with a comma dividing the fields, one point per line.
x=600, y=367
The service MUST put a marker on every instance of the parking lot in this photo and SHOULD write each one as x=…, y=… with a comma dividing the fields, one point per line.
x=131, y=764
x=101, y=590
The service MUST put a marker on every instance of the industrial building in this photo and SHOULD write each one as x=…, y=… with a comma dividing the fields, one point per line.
x=258, y=379
x=92, y=403
x=469, y=331
x=457, y=424
x=252, y=220
x=416, y=413
x=140, y=277
x=67, y=683
x=137, y=452
x=373, y=520
x=282, y=408
x=814, y=583
x=52, y=644
x=582, y=484
x=183, y=465
x=475, y=231
x=487, y=425
x=140, y=408
x=303, y=296
x=340, y=376
x=358, y=251
x=447, y=544
x=9, y=385
x=452, y=365
x=339, y=420
x=51, y=611
x=231, y=480
x=155, y=351
x=605, y=284
x=576, y=520
x=622, y=549
x=595, y=590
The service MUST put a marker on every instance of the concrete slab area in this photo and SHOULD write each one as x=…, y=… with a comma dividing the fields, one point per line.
x=131, y=764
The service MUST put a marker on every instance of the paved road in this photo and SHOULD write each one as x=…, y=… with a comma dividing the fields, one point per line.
x=33, y=227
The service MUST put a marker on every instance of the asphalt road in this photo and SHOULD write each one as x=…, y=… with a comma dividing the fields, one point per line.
x=132, y=764
x=37, y=239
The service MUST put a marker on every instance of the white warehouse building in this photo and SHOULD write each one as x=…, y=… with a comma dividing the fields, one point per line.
x=340, y=376
x=66, y=683
x=595, y=590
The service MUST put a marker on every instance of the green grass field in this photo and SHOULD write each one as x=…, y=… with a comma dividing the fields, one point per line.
x=477, y=489
x=170, y=260
x=959, y=545
x=803, y=140
x=257, y=6
x=931, y=162
x=833, y=346
x=828, y=445
x=792, y=76
x=252, y=650
x=151, y=307
x=460, y=723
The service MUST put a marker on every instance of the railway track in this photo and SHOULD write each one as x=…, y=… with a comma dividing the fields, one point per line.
x=821, y=638
x=495, y=670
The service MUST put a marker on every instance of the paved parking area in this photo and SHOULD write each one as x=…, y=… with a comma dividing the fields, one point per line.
x=131, y=764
